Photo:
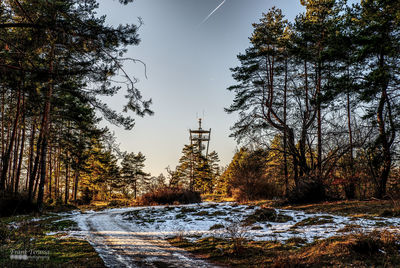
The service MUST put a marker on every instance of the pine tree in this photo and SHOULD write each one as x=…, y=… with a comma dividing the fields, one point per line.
x=377, y=41
x=196, y=170
x=263, y=92
x=132, y=166
x=62, y=47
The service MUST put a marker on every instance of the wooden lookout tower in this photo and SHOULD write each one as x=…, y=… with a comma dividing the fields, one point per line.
x=200, y=139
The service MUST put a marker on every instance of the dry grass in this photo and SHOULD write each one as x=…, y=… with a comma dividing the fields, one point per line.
x=216, y=198
x=377, y=249
x=225, y=252
x=98, y=205
x=347, y=208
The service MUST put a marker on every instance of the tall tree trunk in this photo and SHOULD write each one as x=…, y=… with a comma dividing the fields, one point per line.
x=36, y=182
x=135, y=188
x=76, y=182
x=13, y=171
x=43, y=158
x=57, y=174
x=285, y=162
x=6, y=156
x=21, y=153
x=386, y=139
x=50, y=172
x=387, y=157
x=46, y=130
x=29, y=180
x=3, y=131
x=66, y=195
x=294, y=154
x=319, y=124
x=33, y=175
x=350, y=188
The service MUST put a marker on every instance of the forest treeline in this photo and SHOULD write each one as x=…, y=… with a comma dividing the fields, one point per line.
x=317, y=99
x=59, y=62
x=318, y=103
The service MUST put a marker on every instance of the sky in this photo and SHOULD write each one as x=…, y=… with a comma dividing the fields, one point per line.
x=188, y=52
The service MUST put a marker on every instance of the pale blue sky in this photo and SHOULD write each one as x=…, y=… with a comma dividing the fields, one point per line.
x=188, y=70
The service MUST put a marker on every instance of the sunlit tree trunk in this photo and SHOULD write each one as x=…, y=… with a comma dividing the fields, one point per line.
x=29, y=180
x=34, y=170
x=66, y=194
x=76, y=183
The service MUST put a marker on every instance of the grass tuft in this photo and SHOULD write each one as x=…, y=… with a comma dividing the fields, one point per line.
x=266, y=214
x=217, y=227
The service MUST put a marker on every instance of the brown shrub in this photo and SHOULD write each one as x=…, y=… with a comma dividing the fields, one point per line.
x=170, y=196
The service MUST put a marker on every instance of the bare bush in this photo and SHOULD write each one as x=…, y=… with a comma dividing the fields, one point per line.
x=238, y=234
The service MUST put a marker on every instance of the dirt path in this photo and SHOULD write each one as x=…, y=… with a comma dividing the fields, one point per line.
x=135, y=237
x=118, y=246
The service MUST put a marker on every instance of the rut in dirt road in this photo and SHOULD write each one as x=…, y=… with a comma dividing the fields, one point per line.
x=118, y=246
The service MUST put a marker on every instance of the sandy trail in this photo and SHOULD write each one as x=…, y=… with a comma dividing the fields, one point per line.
x=119, y=246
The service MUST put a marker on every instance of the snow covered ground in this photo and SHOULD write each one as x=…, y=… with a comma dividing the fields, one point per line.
x=200, y=220
x=133, y=237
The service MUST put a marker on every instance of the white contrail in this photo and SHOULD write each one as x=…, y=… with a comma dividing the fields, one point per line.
x=220, y=5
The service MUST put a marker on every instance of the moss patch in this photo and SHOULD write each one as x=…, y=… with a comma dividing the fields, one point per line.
x=53, y=250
